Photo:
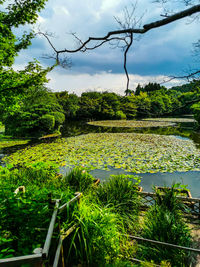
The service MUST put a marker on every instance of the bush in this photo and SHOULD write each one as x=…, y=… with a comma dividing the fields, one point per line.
x=79, y=179
x=59, y=118
x=164, y=223
x=21, y=214
x=120, y=192
x=47, y=123
x=119, y=115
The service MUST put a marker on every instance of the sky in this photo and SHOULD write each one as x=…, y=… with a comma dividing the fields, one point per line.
x=160, y=52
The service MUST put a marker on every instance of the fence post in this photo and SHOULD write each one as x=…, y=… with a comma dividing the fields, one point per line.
x=79, y=199
x=199, y=210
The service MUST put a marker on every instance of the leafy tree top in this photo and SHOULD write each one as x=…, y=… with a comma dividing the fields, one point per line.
x=19, y=13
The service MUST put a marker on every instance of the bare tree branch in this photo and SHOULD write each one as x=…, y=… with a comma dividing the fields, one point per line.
x=123, y=34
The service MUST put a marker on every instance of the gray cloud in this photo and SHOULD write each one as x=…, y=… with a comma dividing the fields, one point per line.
x=162, y=51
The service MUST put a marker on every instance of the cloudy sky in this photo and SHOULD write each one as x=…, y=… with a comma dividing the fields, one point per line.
x=160, y=52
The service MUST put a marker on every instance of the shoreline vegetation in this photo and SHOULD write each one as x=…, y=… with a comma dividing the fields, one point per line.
x=106, y=215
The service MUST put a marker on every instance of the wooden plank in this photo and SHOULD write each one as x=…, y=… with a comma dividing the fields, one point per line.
x=140, y=261
x=47, y=244
x=69, y=231
x=58, y=250
x=62, y=237
x=164, y=244
x=78, y=196
x=179, y=197
x=18, y=261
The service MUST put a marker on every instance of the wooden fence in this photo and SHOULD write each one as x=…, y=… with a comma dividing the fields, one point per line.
x=41, y=255
x=191, y=205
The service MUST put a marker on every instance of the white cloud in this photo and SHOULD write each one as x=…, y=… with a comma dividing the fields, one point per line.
x=95, y=18
x=104, y=81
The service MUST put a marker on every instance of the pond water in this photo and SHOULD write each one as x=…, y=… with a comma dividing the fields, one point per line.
x=182, y=131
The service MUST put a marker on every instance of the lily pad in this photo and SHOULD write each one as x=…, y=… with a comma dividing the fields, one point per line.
x=138, y=153
x=170, y=120
x=131, y=123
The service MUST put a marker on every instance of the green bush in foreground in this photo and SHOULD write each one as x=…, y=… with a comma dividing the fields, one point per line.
x=79, y=179
x=164, y=222
x=97, y=239
x=120, y=193
x=24, y=214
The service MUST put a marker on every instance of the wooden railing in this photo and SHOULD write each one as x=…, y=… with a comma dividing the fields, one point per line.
x=41, y=255
x=191, y=205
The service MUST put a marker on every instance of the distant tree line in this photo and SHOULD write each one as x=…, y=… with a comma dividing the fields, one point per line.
x=151, y=100
x=36, y=111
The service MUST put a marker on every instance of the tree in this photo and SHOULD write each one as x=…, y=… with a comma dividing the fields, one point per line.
x=15, y=84
x=37, y=112
x=14, y=15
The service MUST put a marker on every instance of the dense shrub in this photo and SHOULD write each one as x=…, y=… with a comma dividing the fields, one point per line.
x=196, y=111
x=163, y=222
x=59, y=118
x=120, y=115
x=24, y=214
x=47, y=123
x=79, y=179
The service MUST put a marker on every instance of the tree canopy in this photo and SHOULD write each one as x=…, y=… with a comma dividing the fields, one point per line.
x=12, y=16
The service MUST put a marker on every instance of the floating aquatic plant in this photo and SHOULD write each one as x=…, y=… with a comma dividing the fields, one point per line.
x=138, y=153
x=131, y=123
x=170, y=119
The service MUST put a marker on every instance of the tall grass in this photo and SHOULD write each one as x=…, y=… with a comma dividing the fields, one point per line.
x=120, y=193
x=96, y=241
x=79, y=179
x=163, y=222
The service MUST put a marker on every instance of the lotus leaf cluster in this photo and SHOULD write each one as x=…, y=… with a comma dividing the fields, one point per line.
x=131, y=123
x=138, y=153
x=171, y=119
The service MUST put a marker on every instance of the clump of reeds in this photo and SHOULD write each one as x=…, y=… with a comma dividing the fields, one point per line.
x=121, y=193
x=79, y=179
x=97, y=239
x=164, y=222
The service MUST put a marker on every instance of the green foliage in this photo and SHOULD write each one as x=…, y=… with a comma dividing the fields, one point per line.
x=20, y=217
x=164, y=223
x=47, y=123
x=79, y=179
x=120, y=115
x=151, y=100
x=96, y=241
x=30, y=115
x=13, y=16
x=24, y=215
x=59, y=118
x=120, y=193
x=69, y=102
x=196, y=111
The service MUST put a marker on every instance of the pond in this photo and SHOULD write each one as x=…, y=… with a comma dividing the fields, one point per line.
x=182, y=132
